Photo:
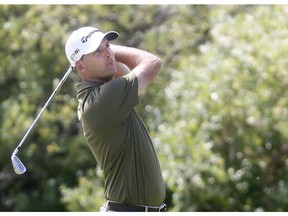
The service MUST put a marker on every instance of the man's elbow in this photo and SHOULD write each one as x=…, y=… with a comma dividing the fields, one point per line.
x=157, y=64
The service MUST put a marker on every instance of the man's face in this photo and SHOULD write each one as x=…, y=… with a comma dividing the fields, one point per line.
x=99, y=65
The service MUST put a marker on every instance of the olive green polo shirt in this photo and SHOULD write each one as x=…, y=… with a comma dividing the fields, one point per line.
x=120, y=142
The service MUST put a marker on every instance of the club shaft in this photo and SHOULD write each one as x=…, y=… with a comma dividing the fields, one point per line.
x=43, y=108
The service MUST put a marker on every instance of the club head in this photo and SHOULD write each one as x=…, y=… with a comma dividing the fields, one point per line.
x=18, y=165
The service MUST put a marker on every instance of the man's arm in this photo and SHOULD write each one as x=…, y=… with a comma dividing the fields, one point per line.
x=145, y=65
x=122, y=70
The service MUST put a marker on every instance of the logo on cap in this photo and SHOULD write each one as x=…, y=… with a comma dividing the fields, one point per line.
x=85, y=38
x=74, y=54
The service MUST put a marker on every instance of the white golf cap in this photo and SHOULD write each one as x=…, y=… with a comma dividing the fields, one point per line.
x=85, y=40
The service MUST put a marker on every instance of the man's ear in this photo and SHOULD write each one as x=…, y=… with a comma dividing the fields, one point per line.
x=79, y=66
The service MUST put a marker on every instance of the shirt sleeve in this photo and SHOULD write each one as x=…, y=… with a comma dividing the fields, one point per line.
x=118, y=97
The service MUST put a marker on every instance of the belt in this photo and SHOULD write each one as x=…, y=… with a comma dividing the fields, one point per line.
x=123, y=207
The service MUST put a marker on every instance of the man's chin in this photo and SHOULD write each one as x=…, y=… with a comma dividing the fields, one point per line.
x=110, y=77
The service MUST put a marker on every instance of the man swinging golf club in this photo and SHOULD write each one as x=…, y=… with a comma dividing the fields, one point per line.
x=113, y=130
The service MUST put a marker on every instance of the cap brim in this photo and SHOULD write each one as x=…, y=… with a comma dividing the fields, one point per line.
x=111, y=35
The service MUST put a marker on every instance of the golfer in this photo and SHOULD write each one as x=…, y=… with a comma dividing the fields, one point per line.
x=115, y=133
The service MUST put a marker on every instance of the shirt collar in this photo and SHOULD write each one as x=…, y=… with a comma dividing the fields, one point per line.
x=81, y=86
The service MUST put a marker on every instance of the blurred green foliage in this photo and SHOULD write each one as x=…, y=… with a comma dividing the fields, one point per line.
x=217, y=113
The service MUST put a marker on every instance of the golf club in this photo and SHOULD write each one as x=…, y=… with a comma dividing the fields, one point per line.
x=17, y=164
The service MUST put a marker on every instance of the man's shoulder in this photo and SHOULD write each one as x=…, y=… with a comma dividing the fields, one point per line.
x=81, y=86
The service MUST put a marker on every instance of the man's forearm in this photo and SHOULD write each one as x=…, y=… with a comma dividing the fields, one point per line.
x=145, y=65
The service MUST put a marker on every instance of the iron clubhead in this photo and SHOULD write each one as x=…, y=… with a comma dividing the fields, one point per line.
x=18, y=165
